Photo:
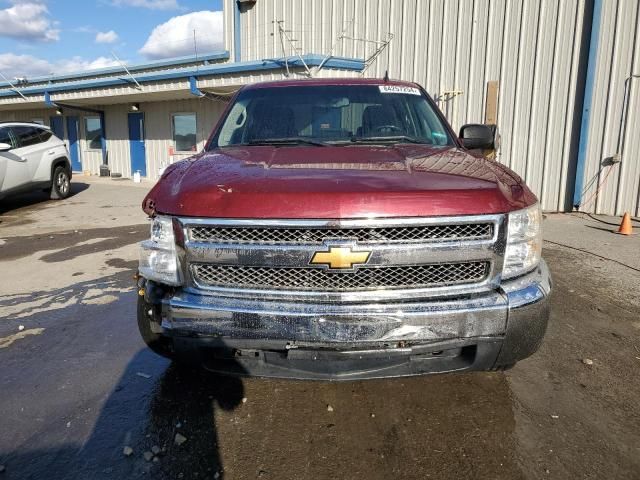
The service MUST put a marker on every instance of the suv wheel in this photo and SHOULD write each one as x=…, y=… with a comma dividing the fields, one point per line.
x=60, y=183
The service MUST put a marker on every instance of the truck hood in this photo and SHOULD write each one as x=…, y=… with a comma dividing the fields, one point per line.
x=336, y=182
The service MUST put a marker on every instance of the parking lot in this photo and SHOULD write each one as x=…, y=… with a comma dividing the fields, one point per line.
x=78, y=384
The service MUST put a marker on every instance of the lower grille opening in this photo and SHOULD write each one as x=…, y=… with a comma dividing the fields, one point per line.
x=362, y=279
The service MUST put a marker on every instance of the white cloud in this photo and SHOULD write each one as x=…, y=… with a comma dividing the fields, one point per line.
x=12, y=65
x=107, y=37
x=151, y=4
x=175, y=37
x=28, y=20
x=76, y=64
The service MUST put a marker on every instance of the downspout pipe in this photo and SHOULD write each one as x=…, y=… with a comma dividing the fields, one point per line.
x=237, y=37
x=193, y=87
x=587, y=102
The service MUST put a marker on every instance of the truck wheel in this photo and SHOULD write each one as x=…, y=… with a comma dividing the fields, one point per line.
x=60, y=184
x=159, y=343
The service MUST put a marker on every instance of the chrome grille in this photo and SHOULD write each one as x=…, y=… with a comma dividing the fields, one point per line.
x=362, y=279
x=290, y=235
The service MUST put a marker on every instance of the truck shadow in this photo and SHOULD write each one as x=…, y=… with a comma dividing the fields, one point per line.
x=175, y=425
x=75, y=396
x=171, y=420
x=189, y=398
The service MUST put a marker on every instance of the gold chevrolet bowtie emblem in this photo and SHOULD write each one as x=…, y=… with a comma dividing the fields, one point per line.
x=340, y=258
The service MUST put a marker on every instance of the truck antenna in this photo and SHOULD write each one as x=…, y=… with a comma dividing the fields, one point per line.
x=386, y=75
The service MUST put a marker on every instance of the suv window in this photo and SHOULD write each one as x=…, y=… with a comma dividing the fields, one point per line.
x=45, y=134
x=6, y=137
x=27, y=135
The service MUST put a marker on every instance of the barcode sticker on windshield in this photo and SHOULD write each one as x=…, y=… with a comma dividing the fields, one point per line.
x=399, y=89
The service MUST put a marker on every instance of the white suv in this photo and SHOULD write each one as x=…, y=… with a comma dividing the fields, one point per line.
x=32, y=157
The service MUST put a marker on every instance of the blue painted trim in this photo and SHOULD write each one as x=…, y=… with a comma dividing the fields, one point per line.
x=171, y=62
x=47, y=100
x=237, y=37
x=206, y=70
x=588, y=100
x=193, y=86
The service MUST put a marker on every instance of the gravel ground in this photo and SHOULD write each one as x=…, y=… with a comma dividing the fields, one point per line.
x=77, y=386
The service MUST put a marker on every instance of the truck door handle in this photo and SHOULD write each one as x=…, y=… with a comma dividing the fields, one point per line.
x=51, y=152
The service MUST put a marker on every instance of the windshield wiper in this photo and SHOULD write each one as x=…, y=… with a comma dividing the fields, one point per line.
x=389, y=138
x=287, y=141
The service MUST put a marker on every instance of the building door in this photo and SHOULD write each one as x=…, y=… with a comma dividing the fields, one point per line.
x=57, y=126
x=136, y=144
x=74, y=147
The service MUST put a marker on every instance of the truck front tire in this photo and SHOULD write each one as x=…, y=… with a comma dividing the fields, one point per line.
x=157, y=342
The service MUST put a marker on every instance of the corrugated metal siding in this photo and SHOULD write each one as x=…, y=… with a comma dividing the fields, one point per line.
x=227, y=25
x=158, y=134
x=117, y=130
x=618, y=57
x=532, y=47
x=26, y=115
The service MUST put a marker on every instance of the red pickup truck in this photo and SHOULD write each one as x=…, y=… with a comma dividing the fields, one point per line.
x=339, y=229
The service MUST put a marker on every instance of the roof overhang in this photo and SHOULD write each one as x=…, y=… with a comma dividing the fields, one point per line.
x=168, y=63
x=176, y=83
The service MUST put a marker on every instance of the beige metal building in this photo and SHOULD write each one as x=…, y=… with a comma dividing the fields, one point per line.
x=143, y=117
x=550, y=73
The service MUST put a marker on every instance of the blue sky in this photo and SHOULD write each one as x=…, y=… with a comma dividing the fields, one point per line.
x=40, y=37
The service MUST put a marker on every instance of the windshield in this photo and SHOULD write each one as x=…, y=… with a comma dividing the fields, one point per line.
x=334, y=114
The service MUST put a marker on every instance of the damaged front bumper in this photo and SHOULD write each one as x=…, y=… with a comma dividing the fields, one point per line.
x=354, y=341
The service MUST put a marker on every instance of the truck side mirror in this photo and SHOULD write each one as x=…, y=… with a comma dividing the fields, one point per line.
x=5, y=147
x=478, y=136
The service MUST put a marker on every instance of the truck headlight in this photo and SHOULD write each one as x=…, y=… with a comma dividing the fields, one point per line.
x=158, y=259
x=524, y=242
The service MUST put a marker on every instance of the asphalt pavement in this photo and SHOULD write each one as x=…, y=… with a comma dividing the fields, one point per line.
x=79, y=390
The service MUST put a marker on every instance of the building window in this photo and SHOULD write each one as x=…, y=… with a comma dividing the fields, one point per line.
x=184, y=132
x=93, y=132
